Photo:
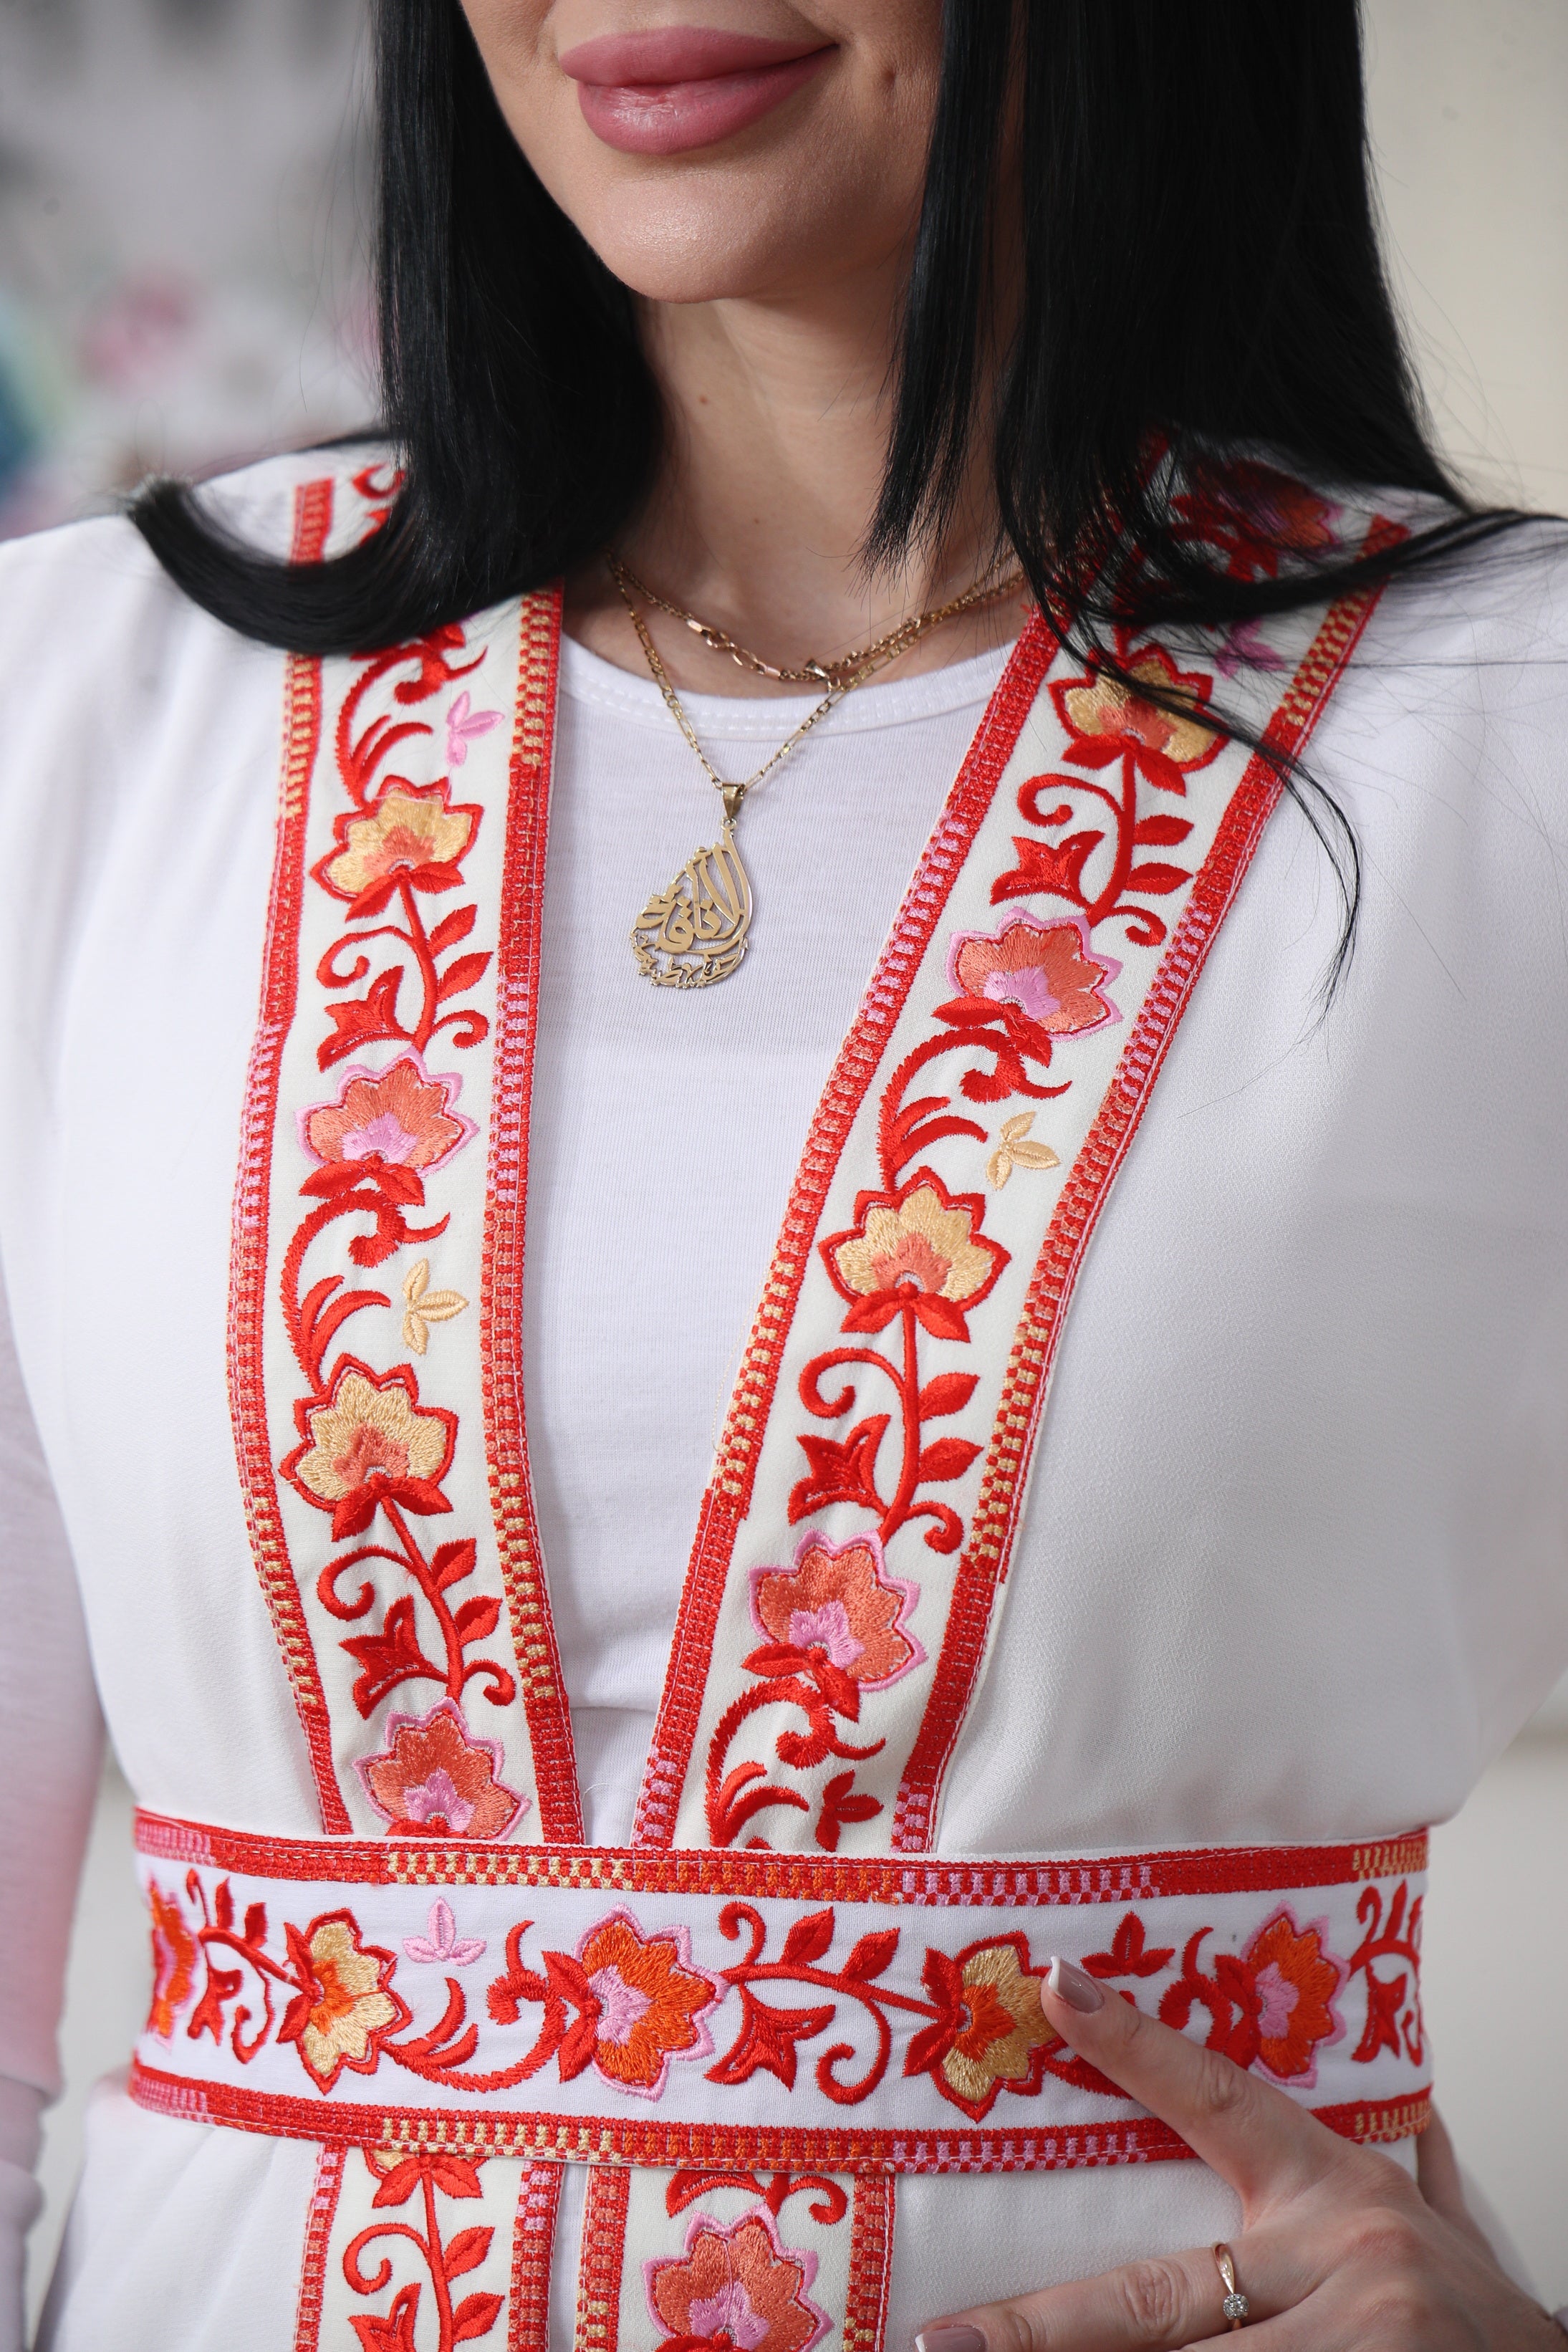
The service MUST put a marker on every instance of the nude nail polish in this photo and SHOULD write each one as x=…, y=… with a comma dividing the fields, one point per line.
x=1079, y=1991
x=950, y=2339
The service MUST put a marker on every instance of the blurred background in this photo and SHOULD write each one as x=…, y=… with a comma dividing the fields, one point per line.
x=182, y=285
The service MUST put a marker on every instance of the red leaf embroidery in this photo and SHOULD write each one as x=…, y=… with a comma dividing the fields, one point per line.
x=466, y=2250
x=766, y=2041
x=461, y=975
x=1161, y=831
x=808, y=1938
x=395, y=2332
x=1054, y=867
x=452, y=928
x=842, y=1470
x=475, y=2315
x=1157, y=879
x=949, y=1457
x=948, y=1393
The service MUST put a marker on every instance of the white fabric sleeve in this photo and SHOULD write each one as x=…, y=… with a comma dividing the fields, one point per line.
x=51, y=1745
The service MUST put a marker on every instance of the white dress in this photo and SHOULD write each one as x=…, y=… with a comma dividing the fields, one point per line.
x=1290, y=1568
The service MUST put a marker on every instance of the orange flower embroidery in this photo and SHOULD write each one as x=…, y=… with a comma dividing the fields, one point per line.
x=400, y=1115
x=1047, y=970
x=435, y=1778
x=370, y=1441
x=992, y=2035
x=837, y=1607
x=735, y=2289
x=921, y=1249
x=345, y=2008
x=411, y=833
x=173, y=1962
x=1295, y=1980
x=1110, y=720
x=649, y=2002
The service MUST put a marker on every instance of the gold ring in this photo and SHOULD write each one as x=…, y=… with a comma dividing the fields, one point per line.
x=1236, y=2306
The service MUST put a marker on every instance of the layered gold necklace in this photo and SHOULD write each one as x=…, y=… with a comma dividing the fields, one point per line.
x=697, y=930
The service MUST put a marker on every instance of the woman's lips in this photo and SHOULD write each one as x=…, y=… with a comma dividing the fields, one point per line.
x=682, y=86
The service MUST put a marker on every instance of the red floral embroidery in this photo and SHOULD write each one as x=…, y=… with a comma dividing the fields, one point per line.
x=922, y=1251
x=838, y=1615
x=409, y=832
x=991, y=2033
x=368, y=1444
x=1254, y=515
x=1271, y=2005
x=1045, y=969
x=398, y=2183
x=626, y=2003
x=433, y=1777
x=173, y=1962
x=735, y=2289
x=400, y=1115
x=344, y=2010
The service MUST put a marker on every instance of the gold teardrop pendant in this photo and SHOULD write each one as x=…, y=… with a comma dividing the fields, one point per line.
x=696, y=931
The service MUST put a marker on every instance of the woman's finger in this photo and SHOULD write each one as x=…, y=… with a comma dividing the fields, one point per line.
x=1147, y=2306
x=1254, y=2136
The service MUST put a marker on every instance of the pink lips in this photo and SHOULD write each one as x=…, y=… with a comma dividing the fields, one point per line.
x=682, y=86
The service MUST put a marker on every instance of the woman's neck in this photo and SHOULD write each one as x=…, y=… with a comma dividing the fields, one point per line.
x=778, y=415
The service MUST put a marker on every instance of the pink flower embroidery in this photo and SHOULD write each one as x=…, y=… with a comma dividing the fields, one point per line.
x=463, y=726
x=735, y=2289
x=839, y=1607
x=436, y=1779
x=1295, y=1980
x=648, y=2001
x=1047, y=970
x=444, y=1943
x=400, y=1115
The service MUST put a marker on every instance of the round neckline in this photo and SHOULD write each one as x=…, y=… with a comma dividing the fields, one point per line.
x=588, y=677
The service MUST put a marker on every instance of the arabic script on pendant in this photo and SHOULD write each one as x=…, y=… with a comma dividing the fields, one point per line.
x=696, y=931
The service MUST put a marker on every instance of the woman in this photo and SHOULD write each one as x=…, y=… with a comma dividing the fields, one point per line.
x=732, y=1962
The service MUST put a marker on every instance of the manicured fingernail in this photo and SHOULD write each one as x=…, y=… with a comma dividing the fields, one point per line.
x=1078, y=1990
x=950, y=2339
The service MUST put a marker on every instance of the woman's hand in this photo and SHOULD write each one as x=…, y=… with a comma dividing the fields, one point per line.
x=1338, y=2250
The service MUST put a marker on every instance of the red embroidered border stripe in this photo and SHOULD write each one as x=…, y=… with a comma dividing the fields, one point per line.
x=728, y=1498
x=533, y=2241
x=983, y=1565
x=802, y=1878
x=608, y=2142
x=506, y=1214
x=248, y=1281
x=871, y=2264
x=318, y=2236
x=602, y=2260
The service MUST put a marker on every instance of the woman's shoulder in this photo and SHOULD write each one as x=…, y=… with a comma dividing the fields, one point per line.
x=98, y=645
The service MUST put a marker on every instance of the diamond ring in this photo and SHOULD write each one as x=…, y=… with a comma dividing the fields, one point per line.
x=1235, y=2307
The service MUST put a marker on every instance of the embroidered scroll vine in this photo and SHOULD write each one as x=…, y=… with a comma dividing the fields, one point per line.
x=631, y=2005
x=370, y=1446
x=917, y=1263
x=399, y=2183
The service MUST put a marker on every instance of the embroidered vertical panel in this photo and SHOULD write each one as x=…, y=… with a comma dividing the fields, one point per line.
x=418, y=2254
x=378, y=1235
x=843, y=1586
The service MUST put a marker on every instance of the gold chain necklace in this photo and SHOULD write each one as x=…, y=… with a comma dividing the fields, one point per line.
x=697, y=930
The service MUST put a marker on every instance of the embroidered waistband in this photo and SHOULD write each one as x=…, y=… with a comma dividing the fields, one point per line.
x=757, y=2008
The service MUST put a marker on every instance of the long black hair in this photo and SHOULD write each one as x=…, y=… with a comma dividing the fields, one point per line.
x=1201, y=273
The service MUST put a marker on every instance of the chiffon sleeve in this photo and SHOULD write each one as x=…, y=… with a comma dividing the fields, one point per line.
x=51, y=1742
